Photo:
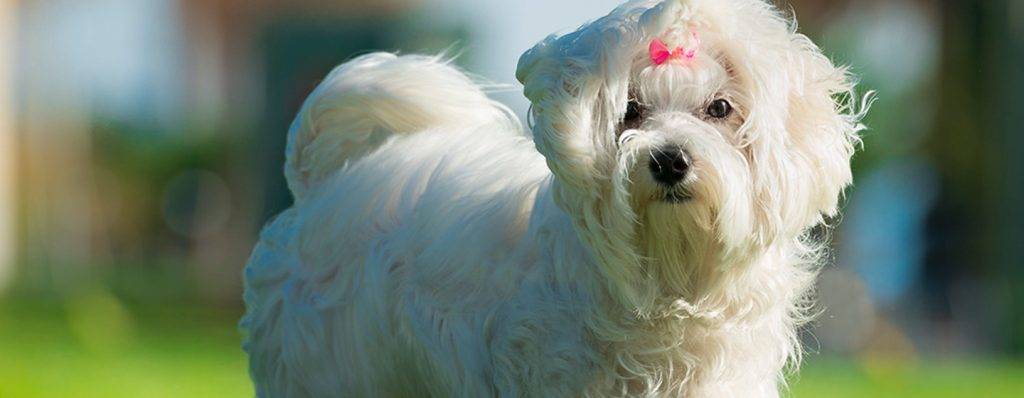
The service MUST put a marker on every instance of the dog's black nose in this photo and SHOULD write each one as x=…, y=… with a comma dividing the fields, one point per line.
x=669, y=165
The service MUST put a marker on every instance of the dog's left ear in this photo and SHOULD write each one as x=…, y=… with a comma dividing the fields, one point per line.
x=823, y=121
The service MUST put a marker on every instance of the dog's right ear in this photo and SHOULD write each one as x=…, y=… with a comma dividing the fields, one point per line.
x=561, y=117
x=530, y=65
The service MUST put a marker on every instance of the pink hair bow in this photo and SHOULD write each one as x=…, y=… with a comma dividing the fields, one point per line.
x=660, y=53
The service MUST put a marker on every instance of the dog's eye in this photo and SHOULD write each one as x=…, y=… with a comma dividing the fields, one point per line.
x=719, y=109
x=634, y=111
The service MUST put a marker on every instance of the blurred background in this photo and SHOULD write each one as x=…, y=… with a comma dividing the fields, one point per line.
x=141, y=149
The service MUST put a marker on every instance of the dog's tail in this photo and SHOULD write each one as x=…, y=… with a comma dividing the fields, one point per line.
x=364, y=101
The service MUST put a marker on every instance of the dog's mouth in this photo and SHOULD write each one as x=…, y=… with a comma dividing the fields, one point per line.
x=677, y=197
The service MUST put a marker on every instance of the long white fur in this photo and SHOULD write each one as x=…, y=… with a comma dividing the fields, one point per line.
x=434, y=250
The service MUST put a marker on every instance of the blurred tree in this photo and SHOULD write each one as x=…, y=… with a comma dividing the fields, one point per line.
x=976, y=147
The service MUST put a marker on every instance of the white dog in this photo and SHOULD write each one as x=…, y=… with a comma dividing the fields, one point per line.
x=651, y=240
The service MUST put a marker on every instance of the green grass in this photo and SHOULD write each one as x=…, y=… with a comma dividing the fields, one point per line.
x=95, y=346
x=879, y=378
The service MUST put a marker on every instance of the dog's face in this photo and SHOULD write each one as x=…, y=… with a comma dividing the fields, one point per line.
x=708, y=118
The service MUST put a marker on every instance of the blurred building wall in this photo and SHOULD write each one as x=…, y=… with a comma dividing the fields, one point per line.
x=67, y=68
x=8, y=142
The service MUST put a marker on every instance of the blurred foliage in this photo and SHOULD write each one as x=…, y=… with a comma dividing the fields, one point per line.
x=142, y=162
x=150, y=157
x=140, y=257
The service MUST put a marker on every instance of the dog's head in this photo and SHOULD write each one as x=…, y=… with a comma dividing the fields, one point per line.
x=691, y=120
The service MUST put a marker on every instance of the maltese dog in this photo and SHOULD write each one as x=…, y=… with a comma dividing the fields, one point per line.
x=648, y=235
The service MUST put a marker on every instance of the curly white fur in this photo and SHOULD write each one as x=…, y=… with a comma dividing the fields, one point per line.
x=433, y=250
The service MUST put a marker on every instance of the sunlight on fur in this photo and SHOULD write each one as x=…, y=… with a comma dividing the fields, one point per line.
x=651, y=240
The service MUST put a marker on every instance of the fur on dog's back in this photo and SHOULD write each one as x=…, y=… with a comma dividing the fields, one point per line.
x=392, y=161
